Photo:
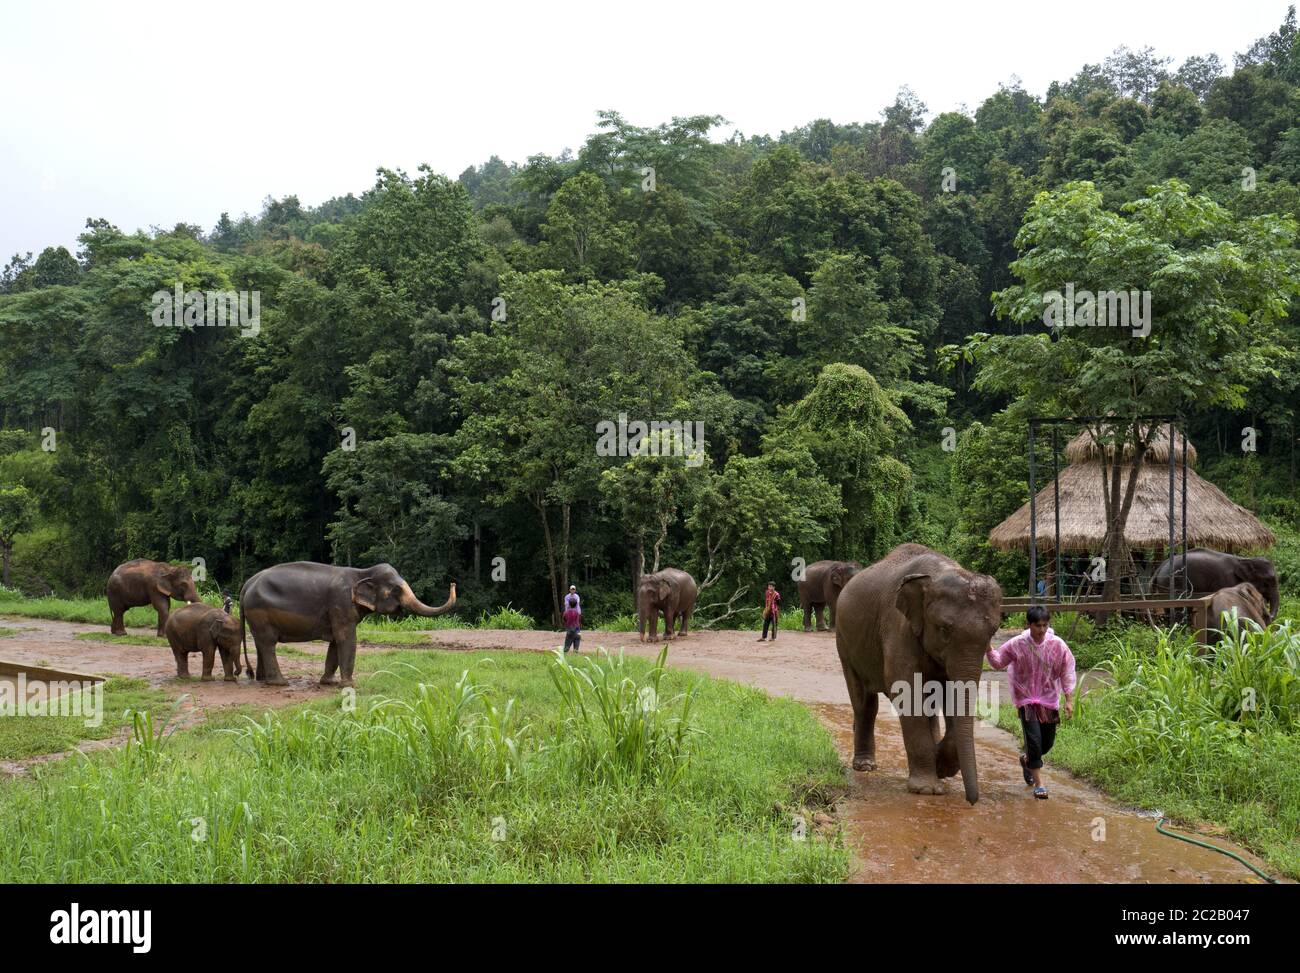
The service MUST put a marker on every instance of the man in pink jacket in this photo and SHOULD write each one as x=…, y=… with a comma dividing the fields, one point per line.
x=1040, y=670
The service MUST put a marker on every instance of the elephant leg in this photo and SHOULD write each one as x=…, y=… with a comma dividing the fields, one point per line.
x=347, y=657
x=268, y=666
x=830, y=615
x=807, y=618
x=946, y=759
x=686, y=623
x=331, y=665
x=653, y=623
x=821, y=626
x=670, y=620
x=163, y=607
x=118, y=626
x=865, y=706
x=209, y=655
x=922, y=777
x=182, y=663
x=230, y=665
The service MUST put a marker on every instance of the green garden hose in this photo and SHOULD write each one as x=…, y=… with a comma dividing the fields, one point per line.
x=1205, y=844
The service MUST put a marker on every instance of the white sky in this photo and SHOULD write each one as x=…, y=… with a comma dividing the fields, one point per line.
x=152, y=114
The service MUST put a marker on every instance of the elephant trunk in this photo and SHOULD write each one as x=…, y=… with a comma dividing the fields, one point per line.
x=416, y=607
x=1274, y=602
x=964, y=725
x=966, y=757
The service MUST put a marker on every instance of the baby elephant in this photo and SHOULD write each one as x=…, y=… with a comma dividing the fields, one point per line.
x=201, y=628
x=1244, y=597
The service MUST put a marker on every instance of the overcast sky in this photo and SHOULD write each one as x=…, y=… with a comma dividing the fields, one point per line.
x=149, y=114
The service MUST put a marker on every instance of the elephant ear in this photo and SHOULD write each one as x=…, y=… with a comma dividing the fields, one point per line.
x=215, y=625
x=665, y=588
x=364, y=593
x=165, y=585
x=911, y=601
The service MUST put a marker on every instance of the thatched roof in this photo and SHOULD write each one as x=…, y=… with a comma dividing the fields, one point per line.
x=1082, y=448
x=1212, y=519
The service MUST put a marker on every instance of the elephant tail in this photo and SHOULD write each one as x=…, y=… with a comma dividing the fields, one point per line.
x=243, y=634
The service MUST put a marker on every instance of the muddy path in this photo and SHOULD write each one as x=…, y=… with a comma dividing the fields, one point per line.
x=1079, y=835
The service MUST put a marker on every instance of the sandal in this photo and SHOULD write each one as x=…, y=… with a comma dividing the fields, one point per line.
x=1040, y=792
x=1024, y=769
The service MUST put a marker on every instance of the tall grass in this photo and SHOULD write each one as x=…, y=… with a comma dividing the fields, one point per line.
x=439, y=775
x=623, y=728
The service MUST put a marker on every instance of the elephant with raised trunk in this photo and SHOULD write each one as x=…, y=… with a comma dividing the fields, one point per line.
x=140, y=582
x=305, y=602
x=820, y=588
x=669, y=592
x=202, y=628
x=918, y=620
x=1209, y=571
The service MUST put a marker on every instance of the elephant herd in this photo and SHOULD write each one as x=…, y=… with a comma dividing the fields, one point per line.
x=672, y=593
x=297, y=602
x=915, y=615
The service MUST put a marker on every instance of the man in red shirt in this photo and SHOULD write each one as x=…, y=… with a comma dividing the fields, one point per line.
x=771, y=610
x=572, y=619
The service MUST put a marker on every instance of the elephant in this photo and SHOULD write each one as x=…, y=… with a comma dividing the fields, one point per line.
x=670, y=591
x=141, y=582
x=202, y=628
x=1245, y=598
x=303, y=601
x=1209, y=571
x=821, y=586
x=915, y=616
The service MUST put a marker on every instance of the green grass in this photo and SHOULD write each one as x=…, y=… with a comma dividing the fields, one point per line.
x=1174, y=734
x=6, y=632
x=91, y=611
x=28, y=736
x=579, y=771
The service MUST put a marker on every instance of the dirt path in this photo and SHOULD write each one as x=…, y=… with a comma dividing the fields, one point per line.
x=896, y=836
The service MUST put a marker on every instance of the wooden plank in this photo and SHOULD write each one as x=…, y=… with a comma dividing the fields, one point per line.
x=1136, y=604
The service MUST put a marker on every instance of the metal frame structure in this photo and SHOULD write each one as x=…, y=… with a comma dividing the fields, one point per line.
x=1055, y=422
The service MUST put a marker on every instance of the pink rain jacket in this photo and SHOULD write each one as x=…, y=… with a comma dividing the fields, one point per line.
x=1039, y=672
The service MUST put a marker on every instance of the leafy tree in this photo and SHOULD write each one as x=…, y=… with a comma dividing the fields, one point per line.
x=852, y=430
x=751, y=518
x=17, y=516
x=1218, y=286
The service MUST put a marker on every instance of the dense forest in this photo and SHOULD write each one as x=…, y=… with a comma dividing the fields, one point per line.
x=852, y=311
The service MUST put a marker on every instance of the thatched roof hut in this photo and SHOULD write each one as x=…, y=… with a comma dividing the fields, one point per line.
x=1212, y=519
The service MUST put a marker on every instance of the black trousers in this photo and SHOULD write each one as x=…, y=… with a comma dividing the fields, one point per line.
x=572, y=638
x=773, y=622
x=1039, y=738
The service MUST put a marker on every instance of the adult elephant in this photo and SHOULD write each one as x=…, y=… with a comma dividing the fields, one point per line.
x=918, y=613
x=304, y=602
x=140, y=582
x=1247, y=601
x=1209, y=571
x=670, y=592
x=820, y=588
